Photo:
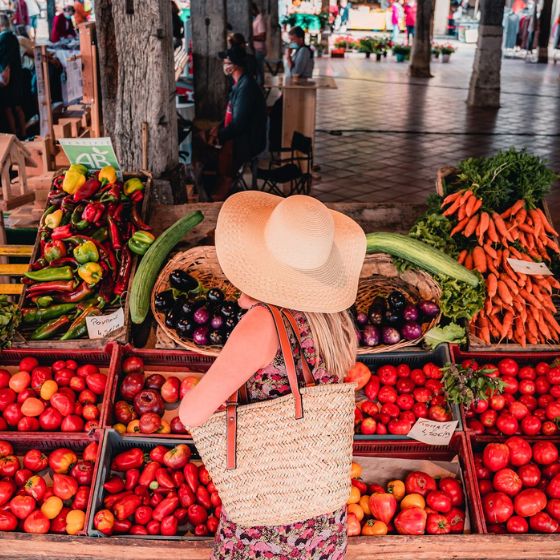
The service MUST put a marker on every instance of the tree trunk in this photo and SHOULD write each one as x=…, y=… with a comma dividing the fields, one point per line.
x=51, y=11
x=273, y=35
x=484, y=88
x=209, y=38
x=422, y=46
x=544, y=30
x=238, y=14
x=136, y=42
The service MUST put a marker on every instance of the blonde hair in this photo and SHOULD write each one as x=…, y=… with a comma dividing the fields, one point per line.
x=335, y=340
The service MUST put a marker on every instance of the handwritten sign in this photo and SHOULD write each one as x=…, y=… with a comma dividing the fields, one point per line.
x=103, y=325
x=94, y=153
x=530, y=268
x=433, y=433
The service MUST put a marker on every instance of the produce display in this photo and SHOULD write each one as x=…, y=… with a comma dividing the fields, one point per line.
x=519, y=483
x=197, y=313
x=45, y=493
x=65, y=396
x=88, y=235
x=160, y=491
x=147, y=403
x=417, y=505
x=392, y=319
x=528, y=404
x=9, y=321
x=395, y=396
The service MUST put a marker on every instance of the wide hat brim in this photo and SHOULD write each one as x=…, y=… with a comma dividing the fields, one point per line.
x=248, y=264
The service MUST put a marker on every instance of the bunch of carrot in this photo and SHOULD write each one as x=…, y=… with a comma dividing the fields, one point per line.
x=518, y=306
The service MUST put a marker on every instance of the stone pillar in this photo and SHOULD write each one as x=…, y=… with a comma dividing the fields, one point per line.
x=484, y=88
x=545, y=24
x=238, y=14
x=441, y=17
x=422, y=45
x=273, y=32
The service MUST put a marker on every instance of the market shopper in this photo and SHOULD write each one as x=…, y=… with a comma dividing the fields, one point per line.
x=299, y=56
x=63, y=28
x=410, y=19
x=296, y=254
x=21, y=14
x=34, y=11
x=396, y=15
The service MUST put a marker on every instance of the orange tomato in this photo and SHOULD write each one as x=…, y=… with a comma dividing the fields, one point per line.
x=373, y=528
x=120, y=428
x=32, y=407
x=165, y=427
x=357, y=510
x=19, y=381
x=360, y=374
x=364, y=504
x=48, y=389
x=356, y=471
x=354, y=497
x=396, y=487
x=133, y=427
x=51, y=507
x=413, y=500
x=75, y=521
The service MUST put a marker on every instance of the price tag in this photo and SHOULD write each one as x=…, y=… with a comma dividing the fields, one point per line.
x=103, y=325
x=94, y=153
x=529, y=267
x=433, y=433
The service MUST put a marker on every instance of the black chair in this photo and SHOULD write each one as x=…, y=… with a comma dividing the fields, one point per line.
x=294, y=168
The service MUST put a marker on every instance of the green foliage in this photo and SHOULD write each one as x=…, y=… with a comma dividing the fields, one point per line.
x=452, y=334
x=465, y=385
x=9, y=321
x=460, y=300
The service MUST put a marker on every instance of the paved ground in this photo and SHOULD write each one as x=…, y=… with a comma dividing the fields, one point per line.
x=382, y=135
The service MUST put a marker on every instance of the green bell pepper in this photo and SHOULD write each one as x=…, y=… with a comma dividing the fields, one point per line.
x=86, y=252
x=133, y=185
x=140, y=242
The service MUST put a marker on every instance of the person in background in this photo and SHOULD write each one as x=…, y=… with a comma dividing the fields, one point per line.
x=34, y=11
x=300, y=62
x=63, y=28
x=21, y=15
x=259, y=42
x=81, y=15
x=238, y=40
x=178, y=27
x=11, y=79
x=396, y=14
x=410, y=20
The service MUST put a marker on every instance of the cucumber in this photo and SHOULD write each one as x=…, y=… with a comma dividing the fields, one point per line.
x=418, y=253
x=151, y=262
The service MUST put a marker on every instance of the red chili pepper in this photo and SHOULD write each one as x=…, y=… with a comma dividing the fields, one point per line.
x=126, y=506
x=62, y=232
x=87, y=190
x=110, y=501
x=122, y=527
x=48, y=287
x=164, y=479
x=116, y=214
x=114, y=485
x=129, y=459
x=165, y=508
x=203, y=497
x=178, y=478
x=186, y=495
x=156, y=499
x=137, y=196
x=114, y=234
x=191, y=476
x=38, y=264
x=131, y=478
x=80, y=293
x=157, y=453
x=124, y=272
x=63, y=261
x=149, y=473
x=137, y=220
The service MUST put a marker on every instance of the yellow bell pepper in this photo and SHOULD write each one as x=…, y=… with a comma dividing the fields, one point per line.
x=79, y=168
x=107, y=175
x=75, y=521
x=72, y=181
x=133, y=185
x=90, y=273
x=53, y=220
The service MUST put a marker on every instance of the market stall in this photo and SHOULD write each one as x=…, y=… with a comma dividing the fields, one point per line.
x=456, y=443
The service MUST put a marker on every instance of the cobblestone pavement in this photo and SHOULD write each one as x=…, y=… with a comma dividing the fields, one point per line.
x=381, y=136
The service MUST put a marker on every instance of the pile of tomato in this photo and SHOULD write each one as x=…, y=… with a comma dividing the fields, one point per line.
x=417, y=505
x=529, y=404
x=519, y=483
x=45, y=493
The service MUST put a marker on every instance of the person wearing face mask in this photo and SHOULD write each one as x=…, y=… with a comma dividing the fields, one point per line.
x=63, y=28
x=299, y=55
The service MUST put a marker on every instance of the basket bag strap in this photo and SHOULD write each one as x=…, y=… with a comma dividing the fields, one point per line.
x=286, y=348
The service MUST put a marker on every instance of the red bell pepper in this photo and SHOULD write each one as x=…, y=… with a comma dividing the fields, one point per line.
x=110, y=501
x=156, y=499
x=93, y=212
x=191, y=476
x=130, y=459
x=165, y=508
x=143, y=515
x=157, y=453
x=62, y=232
x=164, y=479
x=114, y=485
x=122, y=527
x=186, y=495
x=126, y=506
x=169, y=526
x=131, y=479
x=149, y=473
x=203, y=497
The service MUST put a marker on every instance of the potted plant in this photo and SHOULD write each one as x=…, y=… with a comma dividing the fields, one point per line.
x=367, y=46
x=402, y=52
x=446, y=51
x=436, y=50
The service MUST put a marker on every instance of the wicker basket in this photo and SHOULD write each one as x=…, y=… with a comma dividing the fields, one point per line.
x=202, y=264
x=379, y=277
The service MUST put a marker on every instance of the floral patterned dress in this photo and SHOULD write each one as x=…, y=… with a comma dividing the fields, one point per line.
x=318, y=538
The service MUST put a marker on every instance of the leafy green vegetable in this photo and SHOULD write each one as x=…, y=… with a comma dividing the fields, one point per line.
x=452, y=333
x=434, y=229
x=9, y=321
x=465, y=385
x=458, y=299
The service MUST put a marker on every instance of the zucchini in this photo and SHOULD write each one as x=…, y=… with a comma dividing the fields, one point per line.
x=151, y=262
x=418, y=253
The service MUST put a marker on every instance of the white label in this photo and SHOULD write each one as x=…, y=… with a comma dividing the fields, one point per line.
x=529, y=267
x=433, y=433
x=103, y=325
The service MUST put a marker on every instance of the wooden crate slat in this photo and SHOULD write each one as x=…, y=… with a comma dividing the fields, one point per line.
x=13, y=269
x=11, y=289
x=16, y=250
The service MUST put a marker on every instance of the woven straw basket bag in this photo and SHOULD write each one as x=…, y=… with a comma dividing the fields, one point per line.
x=283, y=460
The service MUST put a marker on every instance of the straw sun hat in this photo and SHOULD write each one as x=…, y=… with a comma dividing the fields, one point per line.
x=292, y=252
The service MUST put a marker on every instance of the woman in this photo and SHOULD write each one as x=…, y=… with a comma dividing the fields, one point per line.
x=297, y=254
x=63, y=28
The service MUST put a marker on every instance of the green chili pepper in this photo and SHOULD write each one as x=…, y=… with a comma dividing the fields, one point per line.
x=31, y=315
x=100, y=234
x=86, y=252
x=78, y=327
x=48, y=330
x=44, y=301
x=50, y=274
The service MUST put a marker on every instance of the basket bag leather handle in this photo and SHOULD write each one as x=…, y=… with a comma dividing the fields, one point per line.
x=285, y=346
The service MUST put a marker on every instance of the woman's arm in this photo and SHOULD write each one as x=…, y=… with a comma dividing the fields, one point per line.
x=251, y=346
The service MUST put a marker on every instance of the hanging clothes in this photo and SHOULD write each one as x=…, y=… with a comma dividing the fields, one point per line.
x=511, y=29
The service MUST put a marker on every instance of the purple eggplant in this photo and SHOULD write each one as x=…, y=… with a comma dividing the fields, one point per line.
x=201, y=315
x=392, y=318
x=411, y=313
x=217, y=322
x=390, y=335
x=216, y=338
x=370, y=336
x=200, y=336
x=429, y=309
x=411, y=330
x=361, y=319
x=396, y=301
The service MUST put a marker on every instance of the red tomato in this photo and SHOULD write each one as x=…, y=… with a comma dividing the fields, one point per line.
x=485, y=487
x=516, y=524
x=417, y=377
x=35, y=460
x=545, y=400
x=482, y=472
x=403, y=370
x=476, y=427
x=508, y=366
x=439, y=501
x=529, y=401
x=387, y=394
x=479, y=406
x=133, y=364
x=431, y=371
x=542, y=386
x=542, y=368
x=529, y=502
x=498, y=507
x=36, y=523
x=22, y=505
x=418, y=482
x=387, y=375
x=407, y=416
x=8, y=521
x=456, y=519
x=497, y=402
x=510, y=384
x=391, y=410
x=496, y=456
x=553, y=509
x=439, y=414
x=527, y=372
x=553, y=376
x=404, y=385
x=411, y=521
x=545, y=453
x=551, y=471
x=50, y=419
x=553, y=411
x=518, y=410
x=542, y=523
x=7, y=490
x=87, y=369
x=555, y=391
x=491, y=370
x=405, y=402
x=72, y=423
x=549, y=428
x=399, y=427
x=507, y=481
x=527, y=387
x=421, y=394
x=507, y=424
x=473, y=364
x=531, y=425
x=530, y=475
x=553, y=488
x=28, y=364
x=72, y=364
x=520, y=451
x=488, y=418
x=434, y=385
x=62, y=403
x=420, y=410
x=438, y=400
x=437, y=524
